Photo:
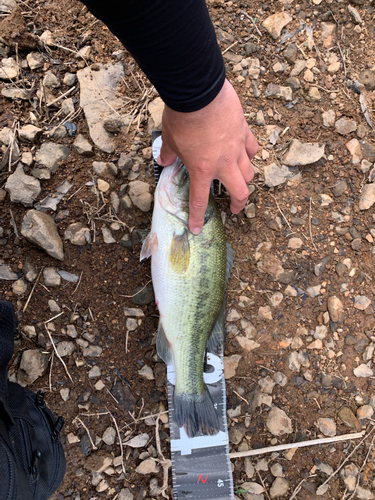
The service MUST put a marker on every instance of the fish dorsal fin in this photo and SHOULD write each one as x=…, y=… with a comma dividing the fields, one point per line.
x=163, y=347
x=179, y=256
x=217, y=337
x=150, y=245
x=230, y=263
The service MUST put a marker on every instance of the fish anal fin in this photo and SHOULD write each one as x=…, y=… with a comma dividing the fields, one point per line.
x=150, y=245
x=163, y=347
x=179, y=256
x=217, y=336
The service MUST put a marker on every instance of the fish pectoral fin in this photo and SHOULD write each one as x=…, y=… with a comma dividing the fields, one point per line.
x=150, y=245
x=179, y=256
x=216, y=339
x=230, y=263
x=163, y=347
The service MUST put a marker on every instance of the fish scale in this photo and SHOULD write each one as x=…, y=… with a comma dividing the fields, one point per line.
x=201, y=466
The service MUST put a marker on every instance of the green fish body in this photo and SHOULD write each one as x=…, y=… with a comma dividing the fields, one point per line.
x=189, y=278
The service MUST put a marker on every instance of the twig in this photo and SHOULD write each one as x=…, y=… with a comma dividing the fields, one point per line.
x=163, y=462
x=239, y=395
x=311, y=236
x=264, y=486
x=13, y=224
x=297, y=490
x=131, y=296
x=301, y=444
x=346, y=459
x=57, y=354
x=282, y=213
x=361, y=469
x=342, y=57
x=126, y=341
x=61, y=97
x=252, y=20
x=79, y=281
x=120, y=441
x=88, y=432
x=50, y=372
x=228, y=48
x=32, y=290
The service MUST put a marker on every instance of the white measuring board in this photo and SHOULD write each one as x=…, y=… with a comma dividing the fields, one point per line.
x=201, y=468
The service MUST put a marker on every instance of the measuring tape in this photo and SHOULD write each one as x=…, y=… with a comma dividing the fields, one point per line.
x=201, y=467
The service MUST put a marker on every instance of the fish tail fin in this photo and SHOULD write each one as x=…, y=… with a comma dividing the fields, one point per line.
x=196, y=413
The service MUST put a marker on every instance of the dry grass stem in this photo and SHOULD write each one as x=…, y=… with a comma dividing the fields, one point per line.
x=32, y=290
x=120, y=441
x=347, y=458
x=166, y=464
x=301, y=444
x=57, y=354
x=310, y=229
x=252, y=20
x=239, y=395
x=264, y=486
x=50, y=372
x=88, y=432
x=131, y=296
x=14, y=224
x=79, y=282
x=282, y=214
x=297, y=490
x=362, y=467
x=61, y=97
x=228, y=48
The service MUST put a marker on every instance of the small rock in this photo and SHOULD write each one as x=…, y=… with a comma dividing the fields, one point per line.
x=275, y=90
x=155, y=108
x=290, y=53
x=329, y=118
x=93, y=351
x=29, y=331
x=109, y=436
x=328, y=31
x=339, y=187
x=276, y=299
x=275, y=23
x=348, y=417
x=249, y=211
x=125, y=494
x=78, y=234
x=252, y=489
x=147, y=373
x=83, y=146
x=9, y=69
x=327, y=426
x=94, y=372
x=40, y=229
x=280, y=379
x=35, y=60
x=336, y=309
x=345, y=126
x=233, y=315
x=361, y=302
x=131, y=324
x=278, y=422
x=265, y=313
x=103, y=185
x=321, y=332
x=107, y=235
x=300, y=153
x=365, y=412
x=363, y=371
x=367, y=198
x=314, y=94
x=64, y=393
x=349, y=475
x=294, y=363
x=29, y=133
x=354, y=149
x=51, y=276
x=267, y=384
x=19, y=287
x=105, y=169
x=367, y=78
x=364, y=494
x=314, y=291
x=230, y=365
x=53, y=306
x=279, y=487
x=33, y=364
x=143, y=296
x=277, y=470
x=275, y=175
x=22, y=188
x=69, y=79
x=50, y=155
x=148, y=466
x=295, y=243
x=140, y=195
x=65, y=348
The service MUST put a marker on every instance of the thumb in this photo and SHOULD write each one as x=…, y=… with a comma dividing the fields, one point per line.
x=167, y=156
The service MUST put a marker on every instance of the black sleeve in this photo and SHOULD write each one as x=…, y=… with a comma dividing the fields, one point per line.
x=174, y=43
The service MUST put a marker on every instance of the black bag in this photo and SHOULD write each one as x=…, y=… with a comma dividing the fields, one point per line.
x=32, y=461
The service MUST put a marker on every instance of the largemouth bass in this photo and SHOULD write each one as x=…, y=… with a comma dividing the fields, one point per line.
x=189, y=274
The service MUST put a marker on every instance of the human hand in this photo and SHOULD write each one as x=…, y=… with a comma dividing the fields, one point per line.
x=214, y=142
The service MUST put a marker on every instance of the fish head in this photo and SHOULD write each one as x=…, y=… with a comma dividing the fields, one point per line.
x=173, y=190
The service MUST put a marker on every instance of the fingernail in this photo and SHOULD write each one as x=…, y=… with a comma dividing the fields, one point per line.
x=196, y=230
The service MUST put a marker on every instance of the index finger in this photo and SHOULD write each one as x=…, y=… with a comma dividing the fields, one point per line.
x=198, y=201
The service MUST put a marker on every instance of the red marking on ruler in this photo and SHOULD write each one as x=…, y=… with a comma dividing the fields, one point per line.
x=201, y=479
